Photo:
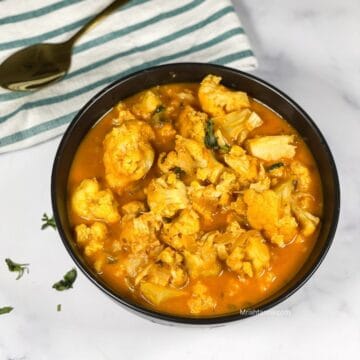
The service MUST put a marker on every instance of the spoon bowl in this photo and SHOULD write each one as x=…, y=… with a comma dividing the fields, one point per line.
x=42, y=64
x=35, y=66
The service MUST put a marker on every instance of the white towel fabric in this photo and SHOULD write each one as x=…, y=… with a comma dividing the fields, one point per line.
x=141, y=34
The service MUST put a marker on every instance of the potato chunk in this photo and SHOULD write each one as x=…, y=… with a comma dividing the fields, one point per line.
x=166, y=195
x=93, y=204
x=91, y=238
x=271, y=148
x=128, y=155
x=237, y=125
x=156, y=294
x=217, y=100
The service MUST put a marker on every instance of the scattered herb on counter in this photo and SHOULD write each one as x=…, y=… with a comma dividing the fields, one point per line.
x=67, y=282
x=6, y=310
x=178, y=171
x=58, y=307
x=19, y=268
x=210, y=139
x=48, y=222
x=275, y=166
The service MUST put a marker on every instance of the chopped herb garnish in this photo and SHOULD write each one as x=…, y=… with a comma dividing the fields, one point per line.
x=210, y=139
x=67, y=282
x=275, y=166
x=58, y=307
x=159, y=109
x=224, y=149
x=6, y=310
x=48, y=222
x=178, y=171
x=19, y=268
x=159, y=117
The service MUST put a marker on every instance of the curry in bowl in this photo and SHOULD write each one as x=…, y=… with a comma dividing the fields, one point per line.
x=194, y=199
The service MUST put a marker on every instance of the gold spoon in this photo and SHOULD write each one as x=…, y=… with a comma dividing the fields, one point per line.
x=42, y=64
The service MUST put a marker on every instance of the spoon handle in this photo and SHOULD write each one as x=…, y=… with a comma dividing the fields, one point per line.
x=104, y=13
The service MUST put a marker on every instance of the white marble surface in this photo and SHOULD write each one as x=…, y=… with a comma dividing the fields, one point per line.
x=309, y=49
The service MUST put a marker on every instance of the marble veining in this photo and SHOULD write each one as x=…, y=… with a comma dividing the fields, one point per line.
x=310, y=50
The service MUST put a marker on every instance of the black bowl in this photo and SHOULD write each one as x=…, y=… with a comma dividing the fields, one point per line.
x=194, y=72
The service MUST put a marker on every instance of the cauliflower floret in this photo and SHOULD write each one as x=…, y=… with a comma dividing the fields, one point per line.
x=182, y=232
x=193, y=158
x=245, y=166
x=208, y=168
x=133, y=208
x=174, y=261
x=225, y=240
x=271, y=148
x=237, y=125
x=146, y=105
x=227, y=184
x=217, y=100
x=239, y=206
x=178, y=158
x=264, y=212
x=156, y=294
x=91, y=238
x=251, y=255
x=203, y=262
x=307, y=221
x=139, y=233
x=263, y=209
x=164, y=135
x=128, y=155
x=204, y=199
x=261, y=185
x=191, y=124
x=166, y=195
x=166, y=269
x=284, y=191
x=200, y=301
x=124, y=114
x=93, y=204
x=302, y=175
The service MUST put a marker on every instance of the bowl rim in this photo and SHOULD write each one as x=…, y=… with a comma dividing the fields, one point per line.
x=188, y=320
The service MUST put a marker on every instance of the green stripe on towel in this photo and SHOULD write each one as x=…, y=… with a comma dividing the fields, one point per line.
x=67, y=96
x=21, y=135
x=38, y=12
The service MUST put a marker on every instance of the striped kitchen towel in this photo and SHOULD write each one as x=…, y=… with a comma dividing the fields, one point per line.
x=141, y=34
